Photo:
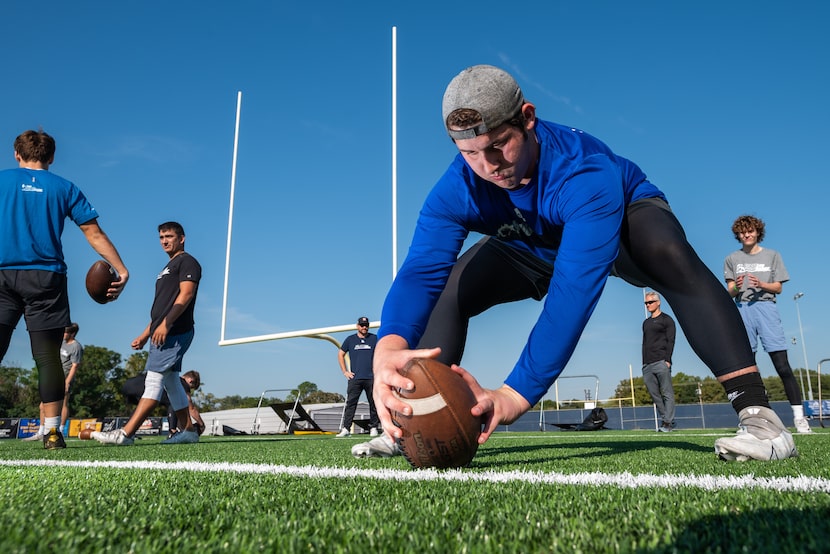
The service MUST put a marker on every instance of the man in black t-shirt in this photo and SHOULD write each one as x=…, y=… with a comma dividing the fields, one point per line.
x=170, y=333
x=658, y=345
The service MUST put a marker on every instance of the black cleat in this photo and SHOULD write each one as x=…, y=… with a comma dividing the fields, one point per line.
x=53, y=440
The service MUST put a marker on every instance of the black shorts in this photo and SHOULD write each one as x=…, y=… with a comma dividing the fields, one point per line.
x=39, y=295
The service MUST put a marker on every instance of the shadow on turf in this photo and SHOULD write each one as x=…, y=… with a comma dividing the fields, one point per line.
x=547, y=452
x=763, y=530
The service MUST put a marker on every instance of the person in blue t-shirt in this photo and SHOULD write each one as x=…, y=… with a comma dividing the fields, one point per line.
x=559, y=212
x=34, y=205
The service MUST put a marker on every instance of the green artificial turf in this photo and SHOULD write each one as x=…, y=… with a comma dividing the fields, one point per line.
x=307, y=494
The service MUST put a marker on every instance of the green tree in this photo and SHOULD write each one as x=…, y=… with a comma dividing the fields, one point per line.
x=96, y=391
x=235, y=402
x=29, y=404
x=303, y=389
x=641, y=395
x=710, y=391
x=17, y=398
x=136, y=363
x=206, y=401
x=686, y=389
x=824, y=387
x=775, y=388
x=320, y=397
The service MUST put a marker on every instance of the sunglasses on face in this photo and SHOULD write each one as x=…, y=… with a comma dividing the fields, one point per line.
x=649, y=302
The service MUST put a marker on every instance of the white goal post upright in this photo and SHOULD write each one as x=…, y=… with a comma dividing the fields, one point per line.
x=230, y=215
x=394, y=152
x=319, y=333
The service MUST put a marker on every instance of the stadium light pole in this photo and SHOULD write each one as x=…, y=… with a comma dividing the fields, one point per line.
x=803, y=345
x=800, y=373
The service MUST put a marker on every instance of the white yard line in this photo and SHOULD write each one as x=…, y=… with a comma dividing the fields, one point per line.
x=595, y=479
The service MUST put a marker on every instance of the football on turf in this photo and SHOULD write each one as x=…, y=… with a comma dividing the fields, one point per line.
x=85, y=434
x=98, y=280
x=441, y=432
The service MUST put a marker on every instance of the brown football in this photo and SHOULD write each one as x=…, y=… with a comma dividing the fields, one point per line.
x=85, y=434
x=441, y=432
x=98, y=280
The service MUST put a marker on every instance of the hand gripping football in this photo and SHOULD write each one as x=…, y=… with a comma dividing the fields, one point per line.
x=98, y=280
x=441, y=432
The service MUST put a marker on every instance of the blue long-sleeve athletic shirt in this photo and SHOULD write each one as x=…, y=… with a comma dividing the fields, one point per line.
x=570, y=213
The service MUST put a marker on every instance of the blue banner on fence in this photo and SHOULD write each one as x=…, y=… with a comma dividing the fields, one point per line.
x=28, y=427
x=811, y=408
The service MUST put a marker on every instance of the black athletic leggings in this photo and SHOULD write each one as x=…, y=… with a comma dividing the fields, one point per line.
x=46, y=351
x=654, y=252
x=782, y=366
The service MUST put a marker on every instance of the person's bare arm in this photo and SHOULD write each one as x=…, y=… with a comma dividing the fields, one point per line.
x=101, y=243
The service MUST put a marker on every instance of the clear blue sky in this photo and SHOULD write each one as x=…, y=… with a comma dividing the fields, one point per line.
x=723, y=104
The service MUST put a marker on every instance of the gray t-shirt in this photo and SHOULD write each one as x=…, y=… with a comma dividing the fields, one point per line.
x=71, y=353
x=766, y=265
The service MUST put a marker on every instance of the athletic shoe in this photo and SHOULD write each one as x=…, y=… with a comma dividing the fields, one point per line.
x=183, y=437
x=343, y=433
x=665, y=428
x=802, y=426
x=116, y=436
x=380, y=447
x=761, y=436
x=35, y=437
x=54, y=440
x=373, y=432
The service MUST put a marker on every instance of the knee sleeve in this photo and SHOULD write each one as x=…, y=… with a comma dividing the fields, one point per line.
x=175, y=390
x=153, y=385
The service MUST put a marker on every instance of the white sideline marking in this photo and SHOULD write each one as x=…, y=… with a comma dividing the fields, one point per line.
x=622, y=480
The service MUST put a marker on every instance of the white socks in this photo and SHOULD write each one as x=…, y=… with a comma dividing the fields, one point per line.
x=50, y=423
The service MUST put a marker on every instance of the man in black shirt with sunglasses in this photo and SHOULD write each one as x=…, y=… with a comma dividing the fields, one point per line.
x=658, y=345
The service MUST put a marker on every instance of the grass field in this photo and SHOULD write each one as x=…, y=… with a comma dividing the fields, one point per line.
x=606, y=491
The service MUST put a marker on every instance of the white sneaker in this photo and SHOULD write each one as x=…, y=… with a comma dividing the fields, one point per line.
x=116, y=436
x=343, y=433
x=36, y=437
x=373, y=432
x=182, y=437
x=761, y=436
x=802, y=426
x=379, y=447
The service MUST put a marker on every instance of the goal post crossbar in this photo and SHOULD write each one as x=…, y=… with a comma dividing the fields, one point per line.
x=309, y=333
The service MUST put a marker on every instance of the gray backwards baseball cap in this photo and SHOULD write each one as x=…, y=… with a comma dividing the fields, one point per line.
x=490, y=91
